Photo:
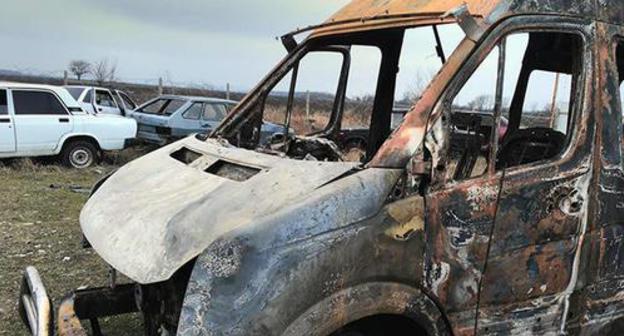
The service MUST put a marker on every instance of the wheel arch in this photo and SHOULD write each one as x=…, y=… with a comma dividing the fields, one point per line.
x=370, y=300
x=78, y=137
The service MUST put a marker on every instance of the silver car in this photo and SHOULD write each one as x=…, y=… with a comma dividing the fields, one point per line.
x=167, y=118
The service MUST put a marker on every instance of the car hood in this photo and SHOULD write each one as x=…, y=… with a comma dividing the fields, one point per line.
x=157, y=213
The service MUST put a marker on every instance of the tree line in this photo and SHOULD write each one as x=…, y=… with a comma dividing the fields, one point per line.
x=102, y=71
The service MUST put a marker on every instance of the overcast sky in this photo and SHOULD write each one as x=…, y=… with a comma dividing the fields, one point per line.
x=206, y=42
x=189, y=41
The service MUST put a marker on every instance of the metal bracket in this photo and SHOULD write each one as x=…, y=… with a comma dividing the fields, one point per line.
x=472, y=28
x=289, y=42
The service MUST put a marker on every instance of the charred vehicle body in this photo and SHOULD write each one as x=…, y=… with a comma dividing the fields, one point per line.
x=513, y=234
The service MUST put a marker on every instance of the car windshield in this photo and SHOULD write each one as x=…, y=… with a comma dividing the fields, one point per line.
x=75, y=92
x=337, y=83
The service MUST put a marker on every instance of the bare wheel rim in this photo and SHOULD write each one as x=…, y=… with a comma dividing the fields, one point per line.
x=81, y=157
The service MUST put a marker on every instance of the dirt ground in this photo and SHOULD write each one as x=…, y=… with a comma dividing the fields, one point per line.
x=39, y=209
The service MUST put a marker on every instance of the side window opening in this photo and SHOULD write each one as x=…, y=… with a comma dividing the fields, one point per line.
x=307, y=103
x=540, y=110
x=173, y=106
x=104, y=98
x=362, y=81
x=214, y=112
x=330, y=101
x=472, y=121
x=154, y=107
x=37, y=103
x=88, y=98
x=127, y=101
x=4, y=108
x=193, y=112
x=539, y=73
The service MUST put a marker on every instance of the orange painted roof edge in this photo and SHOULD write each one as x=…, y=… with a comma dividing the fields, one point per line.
x=366, y=14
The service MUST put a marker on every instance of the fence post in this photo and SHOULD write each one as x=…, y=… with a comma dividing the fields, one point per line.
x=308, y=105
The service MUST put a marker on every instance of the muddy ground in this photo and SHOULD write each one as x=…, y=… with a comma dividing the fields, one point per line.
x=39, y=208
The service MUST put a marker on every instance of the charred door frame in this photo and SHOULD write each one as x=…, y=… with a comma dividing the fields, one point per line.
x=541, y=221
x=598, y=307
x=461, y=216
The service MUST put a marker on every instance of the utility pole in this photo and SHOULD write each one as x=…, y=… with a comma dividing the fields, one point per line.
x=65, y=78
x=160, y=86
x=227, y=91
x=553, y=104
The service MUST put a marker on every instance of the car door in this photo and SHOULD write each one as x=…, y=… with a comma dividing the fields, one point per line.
x=461, y=203
x=41, y=121
x=212, y=116
x=189, y=121
x=7, y=127
x=535, y=252
x=128, y=103
x=600, y=308
x=88, y=102
x=105, y=103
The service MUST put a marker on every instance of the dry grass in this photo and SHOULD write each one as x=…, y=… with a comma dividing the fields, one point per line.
x=353, y=117
x=39, y=208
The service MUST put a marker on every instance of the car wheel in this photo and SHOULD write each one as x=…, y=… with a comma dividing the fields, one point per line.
x=79, y=154
x=355, y=151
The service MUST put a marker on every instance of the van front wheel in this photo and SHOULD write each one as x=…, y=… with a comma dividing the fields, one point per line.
x=79, y=154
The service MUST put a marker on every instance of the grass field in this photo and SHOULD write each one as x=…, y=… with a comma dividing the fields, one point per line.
x=39, y=209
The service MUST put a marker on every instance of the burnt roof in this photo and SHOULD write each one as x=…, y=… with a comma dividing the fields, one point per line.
x=373, y=14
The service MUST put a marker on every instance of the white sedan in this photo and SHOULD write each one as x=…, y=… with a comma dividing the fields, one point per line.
x=43, y=120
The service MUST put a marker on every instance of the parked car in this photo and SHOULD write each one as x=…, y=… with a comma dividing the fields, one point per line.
x=354, y=141
x=102, y=100
x=525, y=237
x=42, y=120
x=168, y=118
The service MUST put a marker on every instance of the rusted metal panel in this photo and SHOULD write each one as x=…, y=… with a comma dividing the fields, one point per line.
x=327, y=266
x=459, y=226
x=168, y=211
x=68, y=323
x=611, y=11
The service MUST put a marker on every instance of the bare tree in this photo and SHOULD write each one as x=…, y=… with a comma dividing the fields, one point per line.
x=417, y=85
x=482, y=103
x=79, y=68
x=104, y=71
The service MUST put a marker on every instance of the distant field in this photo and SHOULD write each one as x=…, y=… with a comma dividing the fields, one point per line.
x=39, y=208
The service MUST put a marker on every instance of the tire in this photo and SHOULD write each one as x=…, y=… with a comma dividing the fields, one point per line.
x=355, y=151
x=79, y=154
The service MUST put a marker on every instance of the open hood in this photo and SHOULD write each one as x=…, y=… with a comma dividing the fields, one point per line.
x=161, y=211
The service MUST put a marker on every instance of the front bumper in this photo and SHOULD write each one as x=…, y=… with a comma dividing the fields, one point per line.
x=84, y=304
x=35, y=306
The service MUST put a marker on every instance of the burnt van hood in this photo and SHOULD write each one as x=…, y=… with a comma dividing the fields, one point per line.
x=159, y=212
